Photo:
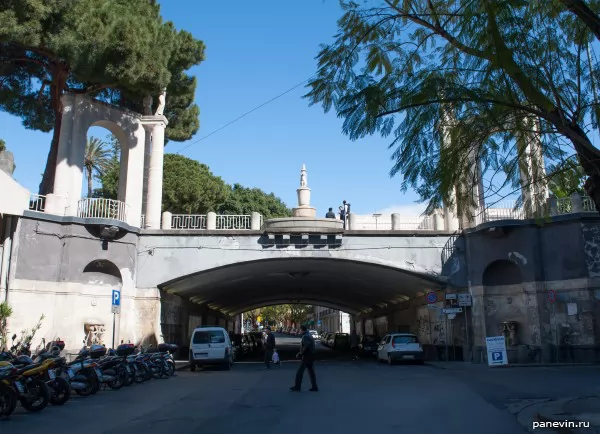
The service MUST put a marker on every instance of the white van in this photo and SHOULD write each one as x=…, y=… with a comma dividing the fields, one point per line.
x=210, y=346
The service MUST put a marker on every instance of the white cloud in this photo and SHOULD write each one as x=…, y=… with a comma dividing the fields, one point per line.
x=407, y=209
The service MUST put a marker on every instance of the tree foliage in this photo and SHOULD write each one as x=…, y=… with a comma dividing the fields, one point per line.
x=2, y=145
x=189, y=187
x=488, y=77
x=243, y=201
x=96, y=161
x=567, y=178
x=283, y=313
x=115, y=50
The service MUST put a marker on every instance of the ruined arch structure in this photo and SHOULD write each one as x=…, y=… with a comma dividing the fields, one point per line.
x=141, y=138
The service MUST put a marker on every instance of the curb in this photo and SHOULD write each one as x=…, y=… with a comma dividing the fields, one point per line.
x=514, y=365
x=182, y=367
x=553, y=412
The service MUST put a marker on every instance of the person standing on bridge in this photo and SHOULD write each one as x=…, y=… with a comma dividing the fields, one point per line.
x=269, y=347
x=307, y=354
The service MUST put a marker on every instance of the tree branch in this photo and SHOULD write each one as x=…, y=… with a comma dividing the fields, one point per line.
x=585, y=14
x=90, y=89
x=439, y=30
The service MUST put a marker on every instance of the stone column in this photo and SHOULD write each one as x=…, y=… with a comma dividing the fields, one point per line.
x=211, y=221
x=63, y=201
x=167, y=219
x=396, y=223
x=155, y=126
x=438, y=221
x=135, y=175
x=534, y=186
x=255, y=222
x=576, y=203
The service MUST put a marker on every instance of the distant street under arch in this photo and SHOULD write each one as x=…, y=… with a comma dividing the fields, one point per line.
x=348, y=285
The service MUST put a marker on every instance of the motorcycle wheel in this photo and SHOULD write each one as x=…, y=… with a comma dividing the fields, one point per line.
x=119, y=381
x=61, y=391
x=128, y=378
x=93, y=380
x=139, y=375
x=8, y=401
x=41, y=398
x=171, y=369
x=88, y=389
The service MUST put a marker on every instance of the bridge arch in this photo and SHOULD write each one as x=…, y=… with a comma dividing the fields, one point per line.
x=346, y=284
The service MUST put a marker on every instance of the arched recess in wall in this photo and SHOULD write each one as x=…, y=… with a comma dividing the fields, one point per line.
x=105, y=273
x=502, y=272
x=501, y=301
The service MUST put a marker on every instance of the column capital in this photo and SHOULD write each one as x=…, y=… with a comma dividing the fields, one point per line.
x=151, y=121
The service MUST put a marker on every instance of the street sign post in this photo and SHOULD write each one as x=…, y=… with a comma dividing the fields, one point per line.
x=452, y=310
x=496, y=350
x=464, y=300
x=431, y=297
x=551, y=296
x=116, y=308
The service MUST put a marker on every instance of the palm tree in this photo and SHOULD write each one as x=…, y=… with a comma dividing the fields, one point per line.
x=96, y=160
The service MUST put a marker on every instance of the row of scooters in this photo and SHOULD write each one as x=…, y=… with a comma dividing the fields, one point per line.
x=48, y=378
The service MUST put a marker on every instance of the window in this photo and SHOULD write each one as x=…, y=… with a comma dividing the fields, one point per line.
x=405, y=340
x=209, y=337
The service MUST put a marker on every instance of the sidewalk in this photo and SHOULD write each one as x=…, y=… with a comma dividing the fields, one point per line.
x=180, y=365
x=468, y=365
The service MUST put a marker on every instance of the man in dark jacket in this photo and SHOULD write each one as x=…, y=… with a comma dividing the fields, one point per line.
x=307, y=354
x=269, y=347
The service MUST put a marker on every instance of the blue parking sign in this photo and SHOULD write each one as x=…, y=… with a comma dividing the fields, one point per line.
x=116, y=297
x=496, y=350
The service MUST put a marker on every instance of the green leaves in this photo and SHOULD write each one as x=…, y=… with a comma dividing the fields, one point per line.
x=116, y=50
x=244, y=201
x=497, y=67
x=189, y=187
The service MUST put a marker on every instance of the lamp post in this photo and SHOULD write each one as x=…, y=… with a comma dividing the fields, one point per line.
x=376, y=219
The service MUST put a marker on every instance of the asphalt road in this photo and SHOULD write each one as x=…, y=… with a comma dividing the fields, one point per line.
x=355, y=397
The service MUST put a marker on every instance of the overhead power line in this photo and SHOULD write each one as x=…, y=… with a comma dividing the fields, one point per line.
x=244, y=115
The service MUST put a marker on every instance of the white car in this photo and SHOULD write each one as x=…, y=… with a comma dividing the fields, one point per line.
x=314, y=334
x=396, y=347
x=210, y=346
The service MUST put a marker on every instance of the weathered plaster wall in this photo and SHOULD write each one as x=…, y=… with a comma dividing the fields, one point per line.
x=167, y=255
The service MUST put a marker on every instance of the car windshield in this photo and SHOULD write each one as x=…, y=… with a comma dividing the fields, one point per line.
x=342, y=337
x=405, y=340
x=209, y=337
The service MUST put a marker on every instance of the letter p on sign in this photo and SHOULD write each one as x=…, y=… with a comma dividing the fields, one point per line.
x=116, y=298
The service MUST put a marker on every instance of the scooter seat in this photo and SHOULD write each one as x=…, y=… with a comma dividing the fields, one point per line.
x=24, y=369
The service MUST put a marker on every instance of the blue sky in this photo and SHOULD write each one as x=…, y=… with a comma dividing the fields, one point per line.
x=255, y=51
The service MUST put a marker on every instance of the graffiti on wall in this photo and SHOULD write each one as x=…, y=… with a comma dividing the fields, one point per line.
x=170, y=314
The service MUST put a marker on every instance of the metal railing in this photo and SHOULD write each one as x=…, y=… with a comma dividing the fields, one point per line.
x=243, y=222
x=37, y=202
x=449, y=248
x=183, y=221
x=385, y=223
x=223, y=222
x=102, y=208
x=564, y=205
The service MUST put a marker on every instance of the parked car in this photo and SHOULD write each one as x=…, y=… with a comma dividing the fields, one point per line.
x=368, y=344
x=397, y=347
x=325, y=339
x=341, y=342
x=211, y=346
x=314, y=334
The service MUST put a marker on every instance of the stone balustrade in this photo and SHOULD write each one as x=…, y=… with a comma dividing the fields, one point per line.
x=212, y=221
